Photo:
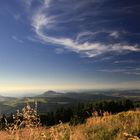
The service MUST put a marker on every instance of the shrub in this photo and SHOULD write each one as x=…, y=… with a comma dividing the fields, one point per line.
x=28, y=117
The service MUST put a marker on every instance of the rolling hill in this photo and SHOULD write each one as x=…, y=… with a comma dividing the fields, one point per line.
x=51, y=100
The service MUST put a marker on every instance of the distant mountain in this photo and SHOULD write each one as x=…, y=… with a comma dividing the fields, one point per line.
x=51, y=100
x=130, y=94
x=3, y=98
x=79, y=97
x=88, y=96
x=50, y=94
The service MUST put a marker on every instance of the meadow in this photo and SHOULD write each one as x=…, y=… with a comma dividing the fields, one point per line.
x=121, y=126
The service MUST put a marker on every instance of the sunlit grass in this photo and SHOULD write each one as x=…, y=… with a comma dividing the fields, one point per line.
x=122, y=126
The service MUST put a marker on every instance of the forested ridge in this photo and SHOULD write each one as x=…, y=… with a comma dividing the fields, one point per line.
x=75, y=114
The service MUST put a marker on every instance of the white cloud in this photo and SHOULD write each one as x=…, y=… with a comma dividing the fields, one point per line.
x=17, y=39
x=125, y=61
x=127, y=71
x=115, y=34
x=59, y=50
x=41, y=21
x=86, y=35
x=27, y=3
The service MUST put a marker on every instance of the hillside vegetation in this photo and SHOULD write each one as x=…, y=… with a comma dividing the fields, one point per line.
x=122, y=126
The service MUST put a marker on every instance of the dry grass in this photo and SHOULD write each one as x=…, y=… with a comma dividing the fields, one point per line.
x=122, y=126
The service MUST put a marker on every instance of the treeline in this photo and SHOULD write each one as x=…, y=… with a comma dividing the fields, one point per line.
x=74, y=114
x=78, y=114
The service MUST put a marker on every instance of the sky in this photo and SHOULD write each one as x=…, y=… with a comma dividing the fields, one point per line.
x=69, y=45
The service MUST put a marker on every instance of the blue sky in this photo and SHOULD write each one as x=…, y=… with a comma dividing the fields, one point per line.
x=69, y=45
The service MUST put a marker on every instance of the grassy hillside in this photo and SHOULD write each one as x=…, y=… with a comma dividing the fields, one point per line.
x=122, y=126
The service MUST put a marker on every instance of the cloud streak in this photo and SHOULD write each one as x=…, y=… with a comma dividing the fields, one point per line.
x=125, y=61
x=41, y=21
x=27, y=3
x=17, y=39
x=127, y=71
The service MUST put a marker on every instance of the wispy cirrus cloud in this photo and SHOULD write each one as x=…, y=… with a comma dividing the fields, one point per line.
x=127, y=71
x=115, y=34
x=59, y=50
x=17, y=39
x=82, y=43
x=125, y=61
x=27, y=3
